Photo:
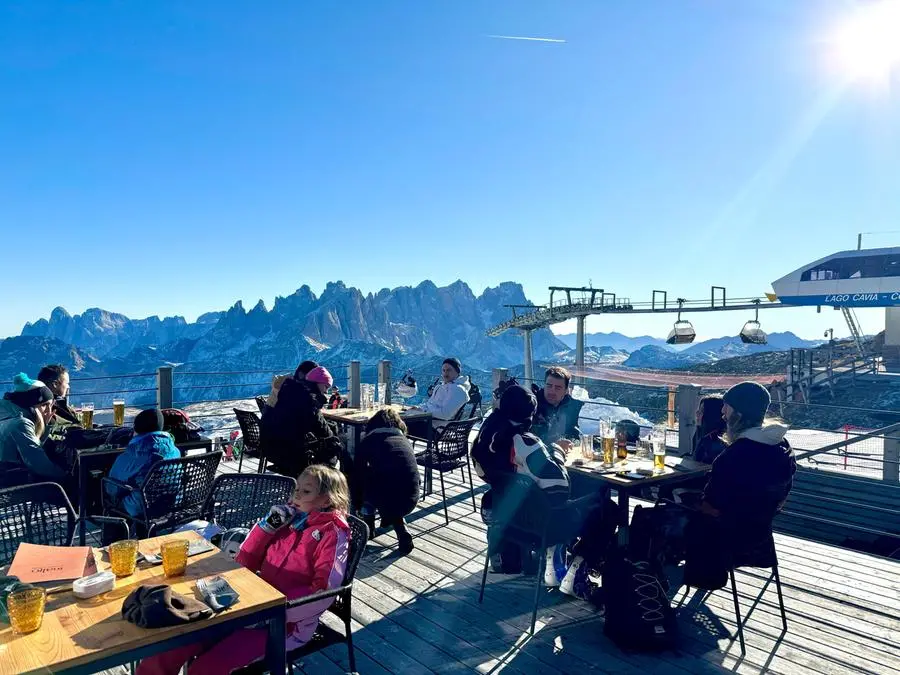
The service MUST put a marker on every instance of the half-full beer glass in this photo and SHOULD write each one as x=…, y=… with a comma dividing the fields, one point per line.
x=119, y=412
x=87, y=415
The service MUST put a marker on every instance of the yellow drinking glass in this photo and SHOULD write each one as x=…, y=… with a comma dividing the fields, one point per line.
x=26, y=609
x=174, y=557
x=123, y=557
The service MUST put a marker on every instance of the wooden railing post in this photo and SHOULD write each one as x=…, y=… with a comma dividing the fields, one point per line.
x=353, y=384
x=164, y=387
x=497, y=376
x=687, y=398
x=384, y=377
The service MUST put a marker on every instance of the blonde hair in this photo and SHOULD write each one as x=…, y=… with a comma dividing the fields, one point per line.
x=332, y=483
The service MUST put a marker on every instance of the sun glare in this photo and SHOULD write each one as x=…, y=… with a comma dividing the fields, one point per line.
x=867, y=42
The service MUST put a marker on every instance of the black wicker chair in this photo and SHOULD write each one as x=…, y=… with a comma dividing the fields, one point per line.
x=39, y=513
x=261, y=404
x=324, y=636
x=449, y=452
x=174, y=493
x=249, y=422
x=240, y=500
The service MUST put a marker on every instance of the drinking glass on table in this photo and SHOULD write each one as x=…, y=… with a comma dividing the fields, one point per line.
x=609, y=444
x=174, y=557
x=658, y=441
x=87, y=415
x=123, y=557
x=382, y=393
x=119, y=412
x=587, y=446
x=26, y=609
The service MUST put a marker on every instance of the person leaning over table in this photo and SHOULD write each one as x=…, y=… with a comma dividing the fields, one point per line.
x=445, y=401
x=24, y=414
x=556, y=419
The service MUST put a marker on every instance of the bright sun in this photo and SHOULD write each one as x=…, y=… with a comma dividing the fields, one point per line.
x=867, y=43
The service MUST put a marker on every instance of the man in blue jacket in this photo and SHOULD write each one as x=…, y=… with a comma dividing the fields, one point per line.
x=149, y=445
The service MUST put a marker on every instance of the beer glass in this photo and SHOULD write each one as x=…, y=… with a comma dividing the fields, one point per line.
x=174, y=557
x=609, y=445
x=87, y=415
x=658, y=440
x=119, y=412
x=123, y=557
x=26, y=609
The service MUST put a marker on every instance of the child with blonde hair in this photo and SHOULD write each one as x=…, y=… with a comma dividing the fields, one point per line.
x=300, y=548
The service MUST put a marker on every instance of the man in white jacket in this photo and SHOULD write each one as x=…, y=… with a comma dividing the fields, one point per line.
x=447, y=398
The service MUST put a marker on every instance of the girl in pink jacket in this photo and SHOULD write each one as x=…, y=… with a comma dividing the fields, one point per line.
x=299, y=548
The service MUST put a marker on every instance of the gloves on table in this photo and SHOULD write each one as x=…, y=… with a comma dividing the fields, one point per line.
x=159, y=606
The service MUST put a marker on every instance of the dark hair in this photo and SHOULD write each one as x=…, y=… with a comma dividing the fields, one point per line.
x=453, y=362
x=51, y=373
x=304, y=368
x=387, y=417
x=558, y=372
x=712, y=415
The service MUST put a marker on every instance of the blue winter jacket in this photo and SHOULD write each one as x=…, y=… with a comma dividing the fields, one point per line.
x=133, y=465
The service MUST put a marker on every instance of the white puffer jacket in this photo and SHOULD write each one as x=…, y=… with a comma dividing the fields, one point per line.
x=448, y=398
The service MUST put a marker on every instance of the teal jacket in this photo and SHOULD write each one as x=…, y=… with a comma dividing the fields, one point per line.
x=133, y=465
x=20, y=445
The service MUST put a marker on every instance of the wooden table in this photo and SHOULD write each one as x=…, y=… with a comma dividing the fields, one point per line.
x=678, y=470
x=87, y=636
x=358, y=419
x=98, y=461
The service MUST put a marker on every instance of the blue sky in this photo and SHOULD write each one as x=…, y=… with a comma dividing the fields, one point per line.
x=171, y=158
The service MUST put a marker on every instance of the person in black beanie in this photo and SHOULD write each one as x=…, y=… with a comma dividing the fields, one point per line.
x=24, y=415
x=149, y=445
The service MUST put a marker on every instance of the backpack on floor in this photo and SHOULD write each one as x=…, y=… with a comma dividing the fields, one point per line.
x=639, y=617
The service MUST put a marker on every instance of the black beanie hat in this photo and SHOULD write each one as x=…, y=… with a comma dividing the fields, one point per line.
x=28, y=393
x=304, y=369
x=518, y=404
x=148, y=420
x=454, y=362
x=749, y=399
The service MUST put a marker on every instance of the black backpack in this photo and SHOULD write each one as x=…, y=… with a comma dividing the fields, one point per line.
x=639, y=617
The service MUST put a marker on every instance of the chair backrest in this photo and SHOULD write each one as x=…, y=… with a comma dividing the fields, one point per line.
x=453, y=440
x=359, y=536
x=249, y=423
x=520, y=505
x=261, y=404
x=39, y=513
x=242, y=499
x=181, y=484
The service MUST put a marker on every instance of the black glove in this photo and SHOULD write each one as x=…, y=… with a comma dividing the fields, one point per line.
x=159, y=606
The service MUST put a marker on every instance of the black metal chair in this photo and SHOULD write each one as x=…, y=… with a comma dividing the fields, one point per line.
x=449, y=452
x=523, y=516
x=261, y=404
x=343, y=596
x=249, y=422
x=240, y=500
x=39, y=513
x=174, y=493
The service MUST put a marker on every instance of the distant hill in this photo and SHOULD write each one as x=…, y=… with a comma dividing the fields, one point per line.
x=652, y=356
x=614, y=340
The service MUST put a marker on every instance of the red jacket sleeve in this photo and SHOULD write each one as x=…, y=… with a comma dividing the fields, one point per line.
x=325, y=555
x=253, y=549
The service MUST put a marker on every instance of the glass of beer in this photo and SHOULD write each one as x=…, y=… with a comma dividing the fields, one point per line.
x=658, y=440
x=87, y=415
x=174, y=557
x=123, y=557
x=26, y=609
x=609, y=445
x=119, y=412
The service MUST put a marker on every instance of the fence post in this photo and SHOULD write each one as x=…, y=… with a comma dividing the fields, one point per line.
x=353, y=384
x=497, y=376
x=890, y=465
x=687, y=399
x=384, y=377
x=670, y=407
x=164, y=387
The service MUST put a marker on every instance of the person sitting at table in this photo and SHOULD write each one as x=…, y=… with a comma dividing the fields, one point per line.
x=25, y=413
x=505, y=447
x=711, y=426
x=149, y=445
x=385, y=475
x=299, y=548
x=293, y=433
x=446, y=399
x=556, y=419
x=56, y=377
x=278, y=381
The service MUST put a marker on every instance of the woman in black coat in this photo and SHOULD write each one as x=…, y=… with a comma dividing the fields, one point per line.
x=293, y=432
x=385, y=475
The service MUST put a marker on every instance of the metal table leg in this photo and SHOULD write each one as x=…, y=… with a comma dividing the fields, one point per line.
x=623, y=518
x=276, y=656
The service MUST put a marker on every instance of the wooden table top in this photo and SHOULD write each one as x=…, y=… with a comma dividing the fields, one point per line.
x=677, y=468
x=77, y=632
x=357, y=417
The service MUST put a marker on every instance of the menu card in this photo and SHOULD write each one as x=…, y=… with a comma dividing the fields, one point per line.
x=36, y=564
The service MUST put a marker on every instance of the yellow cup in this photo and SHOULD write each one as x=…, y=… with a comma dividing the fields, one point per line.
x=123, y=557
x=26, y=609
x=174, y=557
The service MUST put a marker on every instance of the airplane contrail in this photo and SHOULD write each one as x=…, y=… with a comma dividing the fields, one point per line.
x=522, y=37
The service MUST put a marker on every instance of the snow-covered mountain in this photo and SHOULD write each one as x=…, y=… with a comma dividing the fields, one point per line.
x=614, y=340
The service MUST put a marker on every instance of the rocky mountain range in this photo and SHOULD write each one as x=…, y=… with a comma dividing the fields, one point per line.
x=414, y=327
x=711, y=351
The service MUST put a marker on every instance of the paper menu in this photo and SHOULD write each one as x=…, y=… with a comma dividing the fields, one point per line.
x=35, y=564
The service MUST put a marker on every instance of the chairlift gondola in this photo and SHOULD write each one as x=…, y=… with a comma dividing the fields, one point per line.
x=751, y=333
x=683, y=332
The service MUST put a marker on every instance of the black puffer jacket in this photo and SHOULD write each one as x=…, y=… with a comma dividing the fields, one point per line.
x=551, y=423
x=294, y=434
x=385, y=473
